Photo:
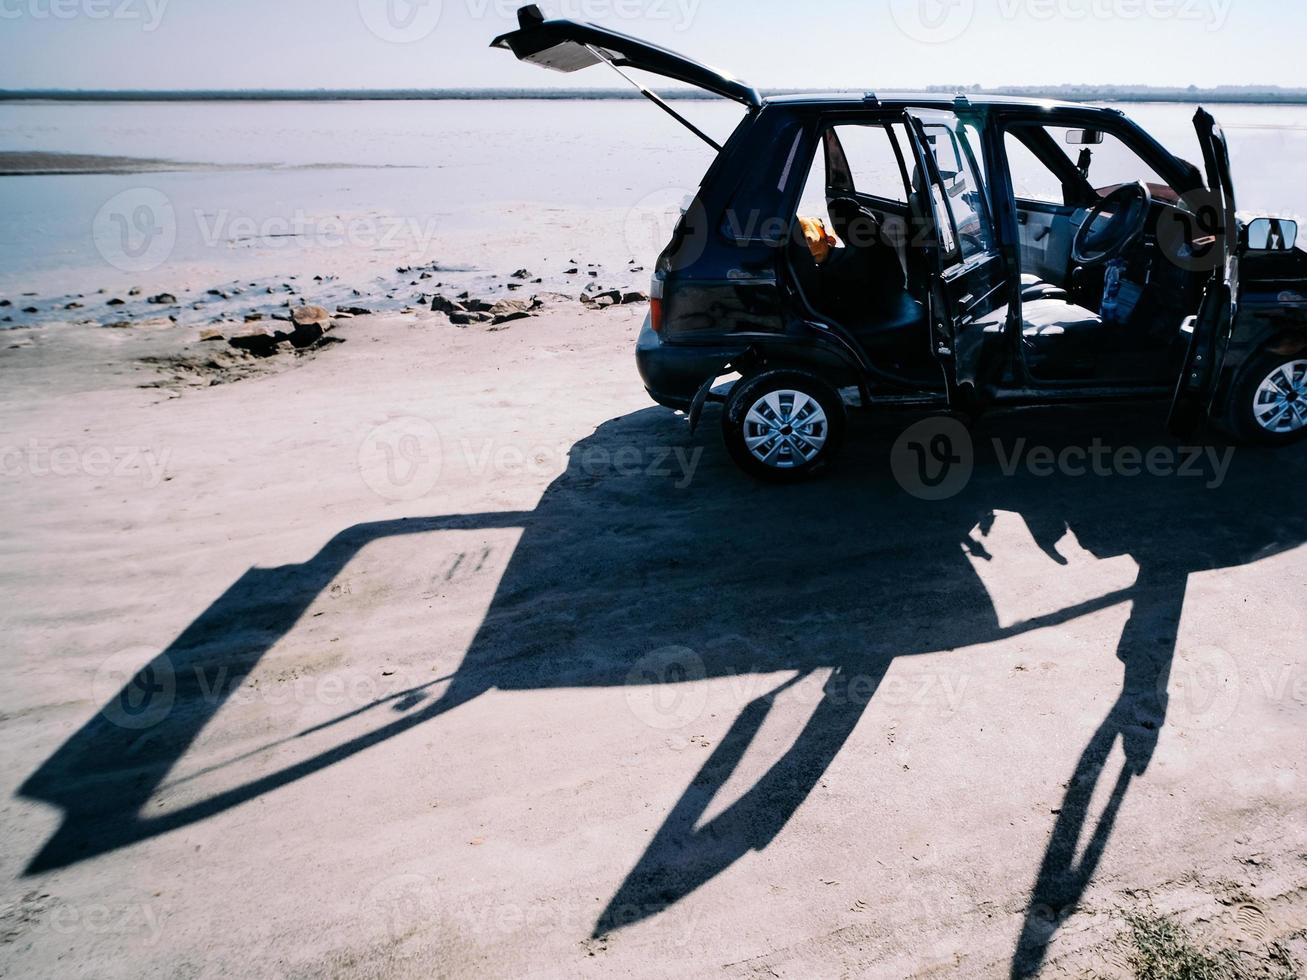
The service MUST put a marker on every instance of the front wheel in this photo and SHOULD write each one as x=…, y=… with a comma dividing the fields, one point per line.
x=1270, y=406
x=783, y=425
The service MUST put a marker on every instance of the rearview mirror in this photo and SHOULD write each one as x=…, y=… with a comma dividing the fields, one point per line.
x=1272, y=235
x=1084, y=137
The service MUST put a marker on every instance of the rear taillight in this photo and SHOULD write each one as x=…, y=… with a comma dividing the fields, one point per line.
x=656, y=305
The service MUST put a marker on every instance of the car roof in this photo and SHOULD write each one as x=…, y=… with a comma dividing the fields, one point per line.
x=907, y=100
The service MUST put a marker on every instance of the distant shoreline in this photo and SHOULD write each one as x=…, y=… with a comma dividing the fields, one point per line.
x=1240, y=95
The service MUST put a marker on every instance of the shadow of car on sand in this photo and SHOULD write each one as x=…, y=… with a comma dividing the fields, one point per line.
x=754, y=564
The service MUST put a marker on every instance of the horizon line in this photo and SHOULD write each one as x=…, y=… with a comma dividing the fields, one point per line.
x=1122, y=93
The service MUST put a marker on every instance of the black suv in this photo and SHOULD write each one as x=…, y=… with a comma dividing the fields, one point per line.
x=925, y=251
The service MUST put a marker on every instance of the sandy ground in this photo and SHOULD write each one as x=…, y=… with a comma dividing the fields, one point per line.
x=441, y=653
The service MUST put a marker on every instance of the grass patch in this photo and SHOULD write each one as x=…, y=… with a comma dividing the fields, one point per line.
x=1161, y=949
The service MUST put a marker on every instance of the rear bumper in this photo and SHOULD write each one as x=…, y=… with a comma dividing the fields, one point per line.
x=674, y=373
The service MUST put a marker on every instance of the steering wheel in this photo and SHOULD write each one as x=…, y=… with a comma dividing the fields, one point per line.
x=1129, y=207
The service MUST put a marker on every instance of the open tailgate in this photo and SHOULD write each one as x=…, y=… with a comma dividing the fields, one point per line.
x=568, y=46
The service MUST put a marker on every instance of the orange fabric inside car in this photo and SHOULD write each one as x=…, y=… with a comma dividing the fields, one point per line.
x=820, y=240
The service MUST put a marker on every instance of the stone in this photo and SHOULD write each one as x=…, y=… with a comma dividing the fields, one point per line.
x=354, y=310
x=116, y=302
x=610, y=298
x=211, y=334
x=260, y=343
x=303, y=316
x=505, y=306
x=635, y=296
x=304, y=334
x=442, y=304
x=469, y=318
x=521, y=274
x=163, y=299
x=510, y=317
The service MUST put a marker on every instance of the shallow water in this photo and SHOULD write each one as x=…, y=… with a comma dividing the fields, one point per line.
x=356, y=189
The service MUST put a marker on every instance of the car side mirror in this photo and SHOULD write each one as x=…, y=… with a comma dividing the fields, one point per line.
x=1272, y=235
x=1084, y=137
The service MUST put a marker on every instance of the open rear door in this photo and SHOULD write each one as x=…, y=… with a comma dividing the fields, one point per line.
x=568, y=46
x=1209, y=332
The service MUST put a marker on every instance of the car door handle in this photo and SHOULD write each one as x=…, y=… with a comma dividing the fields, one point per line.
x=1043, y=233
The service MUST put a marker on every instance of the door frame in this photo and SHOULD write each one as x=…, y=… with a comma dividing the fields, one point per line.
x=951, y=310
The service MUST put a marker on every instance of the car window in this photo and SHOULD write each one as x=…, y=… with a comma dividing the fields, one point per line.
x=876, y=171
x=1031, y=179
x=1106, y=165
x=960, y=200
x=812, y=203
x=874, y=162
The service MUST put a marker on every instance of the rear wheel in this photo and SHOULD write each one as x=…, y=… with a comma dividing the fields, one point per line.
x=1270, y=405
x=783, y=425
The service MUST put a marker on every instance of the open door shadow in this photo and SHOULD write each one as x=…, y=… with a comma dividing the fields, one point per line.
x=840, y=577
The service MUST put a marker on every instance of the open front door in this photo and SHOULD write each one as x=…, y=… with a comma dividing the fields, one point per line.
x=952, y=215
x=1209, y=332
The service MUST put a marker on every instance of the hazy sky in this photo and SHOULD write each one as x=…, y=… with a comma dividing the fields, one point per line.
x=169, y=44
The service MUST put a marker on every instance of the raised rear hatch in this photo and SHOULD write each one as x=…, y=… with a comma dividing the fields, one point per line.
x=568, y=46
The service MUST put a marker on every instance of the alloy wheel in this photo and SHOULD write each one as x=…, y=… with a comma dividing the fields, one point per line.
x=1280, y=405
x=786, y=429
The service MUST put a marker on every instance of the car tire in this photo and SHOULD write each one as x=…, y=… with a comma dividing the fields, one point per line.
x=783, y=426
x=1268, y=385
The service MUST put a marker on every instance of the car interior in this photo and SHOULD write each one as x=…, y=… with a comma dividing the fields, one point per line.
x=1120, y=307
x=866, y=276
x=1100, y=302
